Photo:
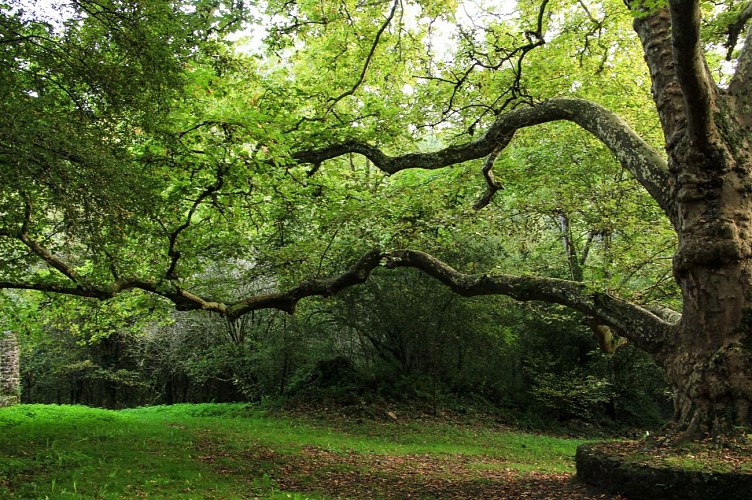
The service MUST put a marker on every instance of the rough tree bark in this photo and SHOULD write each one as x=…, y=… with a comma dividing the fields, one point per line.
x=707, y=355
x=706, y=192
x=10, y=375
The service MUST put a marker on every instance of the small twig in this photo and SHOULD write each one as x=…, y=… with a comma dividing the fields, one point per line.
x=375, y=44
x=326, y=250
x=493, y=185
x=172, y=238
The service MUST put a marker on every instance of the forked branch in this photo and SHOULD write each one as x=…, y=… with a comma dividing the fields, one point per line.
x=645, y=329
x=492, y=185
x=691, y=70
x=735, y=30
x=172, y=236
x=371, y=52
x=646, y=164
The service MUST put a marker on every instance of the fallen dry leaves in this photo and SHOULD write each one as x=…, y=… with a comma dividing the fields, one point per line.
x=702, y=455
x=370, y=475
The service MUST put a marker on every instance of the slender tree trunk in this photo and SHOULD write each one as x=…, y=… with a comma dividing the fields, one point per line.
x=10, y=374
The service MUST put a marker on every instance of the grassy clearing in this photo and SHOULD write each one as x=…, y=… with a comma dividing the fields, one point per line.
x=239, y=451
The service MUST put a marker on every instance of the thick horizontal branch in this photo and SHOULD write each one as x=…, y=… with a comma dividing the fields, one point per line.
x=646, y=330
x=185, y=300
x=72, y=283
x=643, y=161
x=287, y=301
x=182, y=299
x=666, y=314
x=63, y=289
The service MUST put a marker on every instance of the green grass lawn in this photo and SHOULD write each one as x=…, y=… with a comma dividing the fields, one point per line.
x=239, y=451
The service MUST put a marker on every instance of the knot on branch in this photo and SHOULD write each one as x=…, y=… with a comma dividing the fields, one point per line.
x=393, y=259
x=534, y=37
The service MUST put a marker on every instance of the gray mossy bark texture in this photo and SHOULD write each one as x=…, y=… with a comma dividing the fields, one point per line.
x=10, y=377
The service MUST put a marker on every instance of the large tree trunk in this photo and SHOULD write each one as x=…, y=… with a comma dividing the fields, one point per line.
x=708, y=359
x=707, y=356
x=712, y=383
x=10, y=378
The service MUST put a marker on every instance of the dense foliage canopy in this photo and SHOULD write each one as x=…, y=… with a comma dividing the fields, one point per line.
x=234, y=158
x=142, y=150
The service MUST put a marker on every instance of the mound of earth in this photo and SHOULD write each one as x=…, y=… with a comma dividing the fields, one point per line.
x=645, y=471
